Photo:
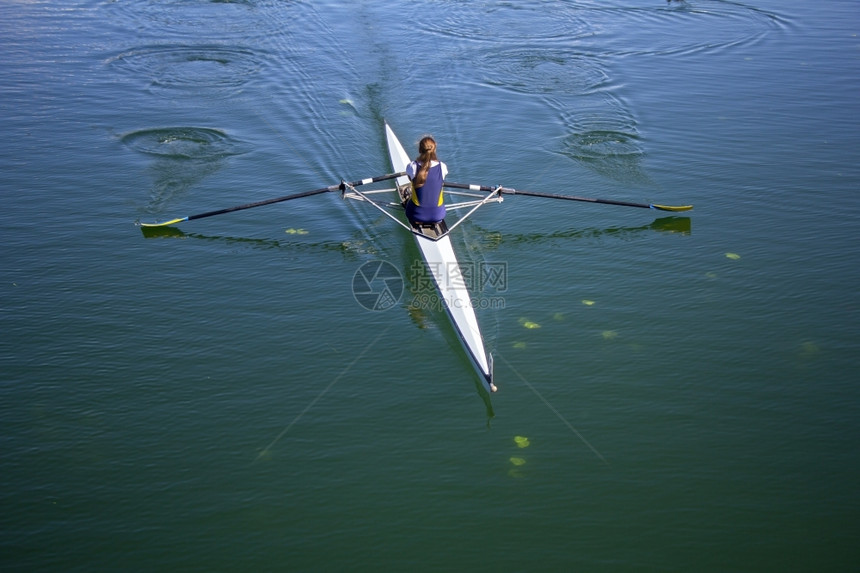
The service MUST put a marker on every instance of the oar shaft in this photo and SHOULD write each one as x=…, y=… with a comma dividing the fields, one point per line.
x=328, y=189
x=264, y=202
x=509, y=191
x=575, y=198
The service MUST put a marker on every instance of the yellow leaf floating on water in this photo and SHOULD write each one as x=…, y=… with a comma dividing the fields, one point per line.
x=587, y=302
x=296, y=232
x=519, y=345
x=529, y=324
x=733, y=256
x=518, y=461
x=609, y=334
x=809, y=349
x=522, y=441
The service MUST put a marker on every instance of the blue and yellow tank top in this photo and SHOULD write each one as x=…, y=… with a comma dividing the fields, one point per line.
x=427, y=203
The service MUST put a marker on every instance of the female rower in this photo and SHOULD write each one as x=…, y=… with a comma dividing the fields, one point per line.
x=427, y=174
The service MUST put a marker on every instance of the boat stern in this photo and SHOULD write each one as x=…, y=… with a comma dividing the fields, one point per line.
x=489, y=379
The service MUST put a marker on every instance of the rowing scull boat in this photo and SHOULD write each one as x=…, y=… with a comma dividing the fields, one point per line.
x=435, y=246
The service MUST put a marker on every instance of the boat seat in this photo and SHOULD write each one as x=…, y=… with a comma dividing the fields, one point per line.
x=431, y=230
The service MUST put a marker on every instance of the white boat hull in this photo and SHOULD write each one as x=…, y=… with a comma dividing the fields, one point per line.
x=447, y=275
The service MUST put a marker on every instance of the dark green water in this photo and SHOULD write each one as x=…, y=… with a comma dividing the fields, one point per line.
x=676, y=393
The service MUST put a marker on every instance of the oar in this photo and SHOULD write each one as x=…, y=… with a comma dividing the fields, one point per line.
x=508, y=191
x=339, y=187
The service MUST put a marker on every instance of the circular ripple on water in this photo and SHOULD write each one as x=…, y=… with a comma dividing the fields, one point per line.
x=504, y=22
x=705, y=25
x=183, y=143
x=541, y=70
x=216, y=17
x=191, y=68
x=606, y=140
x=601, y=140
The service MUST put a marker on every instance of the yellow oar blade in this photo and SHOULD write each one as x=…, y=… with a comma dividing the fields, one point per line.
x=163, y=224
x=673, y=207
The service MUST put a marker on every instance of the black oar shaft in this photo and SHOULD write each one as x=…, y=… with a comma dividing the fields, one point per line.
x=328, y=189
x=338, y=187
x=509, y=191
x=575, y=198
x=264, y=202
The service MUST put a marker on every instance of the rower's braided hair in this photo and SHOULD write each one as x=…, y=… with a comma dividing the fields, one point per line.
x=427, y=153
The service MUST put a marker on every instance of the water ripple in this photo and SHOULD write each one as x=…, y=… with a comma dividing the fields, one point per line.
x=606, y=140
x=217, y=17
x=605, y=28
x=511, y=21
x=199, y=143
x=182, y=157
x=216, y=68
x=677, y=28
x=541, y=70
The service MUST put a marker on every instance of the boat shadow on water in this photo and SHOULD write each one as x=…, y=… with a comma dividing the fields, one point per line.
x=352, y=249
x=673, y=224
